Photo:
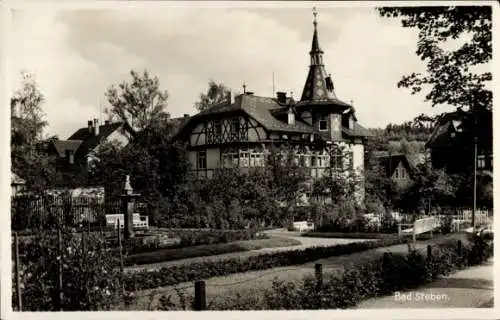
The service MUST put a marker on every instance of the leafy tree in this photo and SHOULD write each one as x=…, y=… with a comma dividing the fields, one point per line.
x=216, y=94
x=430, y=188
x=139, y=103
x=28, y=151
x=451, y=73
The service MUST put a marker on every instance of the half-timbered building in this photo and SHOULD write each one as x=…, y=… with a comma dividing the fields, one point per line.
x=239, y=133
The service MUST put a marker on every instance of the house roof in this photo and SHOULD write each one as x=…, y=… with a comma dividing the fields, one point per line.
x=390, y=162
x=15, y=179
x=63, y=145
x=262, y=109
x=89, y=140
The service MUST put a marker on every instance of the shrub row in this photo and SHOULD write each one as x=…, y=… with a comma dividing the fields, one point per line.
x=359, y=235
x=380, y=277
x=183, y=273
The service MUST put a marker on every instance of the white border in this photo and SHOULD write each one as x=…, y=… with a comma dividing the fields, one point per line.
x=5, y=240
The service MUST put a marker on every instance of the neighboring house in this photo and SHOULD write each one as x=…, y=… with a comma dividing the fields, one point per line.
x=452, y=147
x=397, y=167
x=81, y=146
x=240, y=133
x=16, y=183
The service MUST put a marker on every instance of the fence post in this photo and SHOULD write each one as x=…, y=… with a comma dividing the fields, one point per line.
x=60, y=282
x=459, y=247
x=318, y=273
x=18, y=276
x=429, y=252
x=200, y=302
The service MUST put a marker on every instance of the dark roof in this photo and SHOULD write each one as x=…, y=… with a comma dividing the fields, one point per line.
x=178, y=123
x=264, y=109
x=104, y=131
x=390, y=162
x=62, y=145
x=82, y=141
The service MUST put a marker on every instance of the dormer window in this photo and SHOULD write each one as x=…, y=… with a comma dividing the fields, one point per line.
x=323, y=124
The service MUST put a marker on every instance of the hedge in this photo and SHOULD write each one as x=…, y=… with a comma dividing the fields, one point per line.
x=382, y=276
x=183, y=273
x=359, y=235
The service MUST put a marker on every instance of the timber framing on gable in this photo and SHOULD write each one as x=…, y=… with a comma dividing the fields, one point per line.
x=227, y=129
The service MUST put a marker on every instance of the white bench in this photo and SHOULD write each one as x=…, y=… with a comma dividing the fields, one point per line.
x=138, y=220
x=302, y=226
x=420, y=226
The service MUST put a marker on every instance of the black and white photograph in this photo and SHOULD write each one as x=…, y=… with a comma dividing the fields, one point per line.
x=248, y=156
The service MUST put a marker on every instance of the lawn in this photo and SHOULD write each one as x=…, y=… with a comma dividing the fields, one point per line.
x=172, y=254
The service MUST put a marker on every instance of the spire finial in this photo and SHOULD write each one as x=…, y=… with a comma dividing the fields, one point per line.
x=244, y=87
x=315, y=13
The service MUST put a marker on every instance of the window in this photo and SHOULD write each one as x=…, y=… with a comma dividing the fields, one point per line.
x=202, y=159
x=481, y=163
x=323, y=124
x=235, y=125
x=314, y=161
x=70, y=157
x=336, y=159
x=218, y=127
x=244, y=159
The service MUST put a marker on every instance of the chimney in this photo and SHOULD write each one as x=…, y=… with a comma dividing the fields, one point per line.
x=281, y=97
x=107, y=122
x=96, y=127
x=186, y=115
x=291, y=116
x=90, y=126
x=228, y=97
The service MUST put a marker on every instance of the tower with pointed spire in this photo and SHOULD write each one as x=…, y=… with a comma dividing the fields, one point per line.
x=318, y=97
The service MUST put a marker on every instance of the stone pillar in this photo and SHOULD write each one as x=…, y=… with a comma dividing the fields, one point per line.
x=128, y=199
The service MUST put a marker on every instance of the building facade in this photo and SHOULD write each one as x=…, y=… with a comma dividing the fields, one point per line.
x=322, y=130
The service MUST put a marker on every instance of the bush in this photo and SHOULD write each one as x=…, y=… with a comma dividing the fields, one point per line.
x=195, y=271
x=90, y=273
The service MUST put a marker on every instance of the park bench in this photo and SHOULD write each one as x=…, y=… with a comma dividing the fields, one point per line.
x=420, y=226
x=138, y=221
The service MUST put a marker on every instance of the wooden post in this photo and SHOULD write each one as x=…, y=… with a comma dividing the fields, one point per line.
x=200, y=302
x=120, y=246
x=459, y=247
x=60, y=282
x=429, y=252
x=18, y=276
x=318, y=273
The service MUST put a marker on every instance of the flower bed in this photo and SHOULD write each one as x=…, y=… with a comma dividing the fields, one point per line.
x=171, y=254
x=195, y=271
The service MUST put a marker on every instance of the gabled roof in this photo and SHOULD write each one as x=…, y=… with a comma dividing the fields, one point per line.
x=63, y=145
x=104, y=131
x=390, y=162
x=259, y=108
x=90, y=140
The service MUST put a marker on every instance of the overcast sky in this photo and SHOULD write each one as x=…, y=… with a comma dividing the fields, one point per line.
x=76, y=55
